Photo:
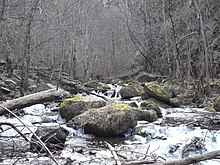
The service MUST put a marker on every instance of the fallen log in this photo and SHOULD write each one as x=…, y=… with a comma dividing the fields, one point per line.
x=162, y=99
x=28, y=100
x=185, y=161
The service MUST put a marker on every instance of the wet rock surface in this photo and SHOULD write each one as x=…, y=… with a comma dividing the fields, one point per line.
x=72, y=107
x=53, y=137
x=111, y=120
x=177, y=133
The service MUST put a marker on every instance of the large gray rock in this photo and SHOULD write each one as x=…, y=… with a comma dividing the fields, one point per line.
x=111, y=120
x=133, y=89
x=53, y=136
x=95, y=85
x=150, y=105
x=73, y=87
x=72, y=107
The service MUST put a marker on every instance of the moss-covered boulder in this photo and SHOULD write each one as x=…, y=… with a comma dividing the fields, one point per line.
x=146, y=115
x=216, y=105
x=165, y=93
x=72, y=107
x=150, y=105
x=133, y=89
x=159, y=90
x=112, y=120
x=73, y=87
x=96, y=85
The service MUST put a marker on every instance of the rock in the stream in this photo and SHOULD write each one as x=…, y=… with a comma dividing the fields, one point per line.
x=146, y=115
x=150, y=105
x=216, y=105
x=133, y=89
x=73, y=87
x=112, y=120
x=72, y=107
x=53, y=136
x=95, y=85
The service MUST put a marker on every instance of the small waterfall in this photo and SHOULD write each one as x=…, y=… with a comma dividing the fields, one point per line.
x=113, y=93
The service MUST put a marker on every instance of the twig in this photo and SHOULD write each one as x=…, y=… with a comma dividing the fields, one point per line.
x=14, y=127
x=40, y=141
x=114, y=154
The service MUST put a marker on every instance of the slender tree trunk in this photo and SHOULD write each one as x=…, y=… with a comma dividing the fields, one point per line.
x=114, y=63
x=166, y=40
x=73, y=61
x=206, y=55
x=175, y=48
x=26, y=54
x=2, y=5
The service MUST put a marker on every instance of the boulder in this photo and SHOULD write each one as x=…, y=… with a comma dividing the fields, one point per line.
x=109, y=121
x=73, y=87
x=147, y=77
x=53, y=136
x=146, y=115
x=162, y=92
x=98, y=86
x=133, y=89
x=159, y=90
x=72, y=107
x=216, y=105
x=150, y=105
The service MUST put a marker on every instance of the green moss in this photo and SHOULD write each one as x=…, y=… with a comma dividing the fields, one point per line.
x=120, y=106
x=214, y=84
x=209, y=108
x=2, y=98
x=157, y=89
x=216, y=105
x=103, y=86
x=67, y=102
x=148, y=104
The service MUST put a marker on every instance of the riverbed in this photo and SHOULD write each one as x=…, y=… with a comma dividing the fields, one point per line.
x=181, y=132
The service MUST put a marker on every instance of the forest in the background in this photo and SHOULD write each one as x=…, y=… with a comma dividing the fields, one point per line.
x=89, y=39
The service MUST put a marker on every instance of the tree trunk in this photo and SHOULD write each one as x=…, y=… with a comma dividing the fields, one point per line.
x=206, y=58
x=2, y=9
x=36, y=98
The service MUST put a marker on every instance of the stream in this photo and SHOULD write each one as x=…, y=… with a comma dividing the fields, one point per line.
x=175, y=135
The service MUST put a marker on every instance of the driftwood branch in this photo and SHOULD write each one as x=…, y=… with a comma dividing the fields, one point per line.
x=39, y=140
x=114, y=154
x=185, y=161
x=15, y=128
x=36, y=98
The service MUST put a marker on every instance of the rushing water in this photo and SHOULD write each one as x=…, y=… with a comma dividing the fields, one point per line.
x=170, y=137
